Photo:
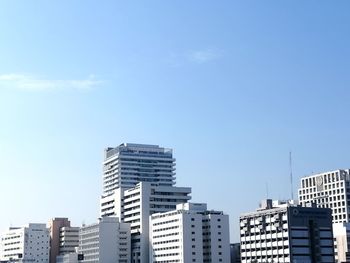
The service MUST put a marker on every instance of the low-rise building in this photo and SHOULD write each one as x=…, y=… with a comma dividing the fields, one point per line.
x=191, y=233
x=287, y=233
x=107, y=241
x=26, y=244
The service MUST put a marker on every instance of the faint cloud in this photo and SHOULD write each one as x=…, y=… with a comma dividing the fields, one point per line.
x=204, y=56
x=34, y=83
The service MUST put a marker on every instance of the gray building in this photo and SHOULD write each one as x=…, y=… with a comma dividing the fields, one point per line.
x=285, y=232
x=235, y=252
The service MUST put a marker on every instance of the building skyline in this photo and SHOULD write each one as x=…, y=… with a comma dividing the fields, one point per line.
x=231, y=87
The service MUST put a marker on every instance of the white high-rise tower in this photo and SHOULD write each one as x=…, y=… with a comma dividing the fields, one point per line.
x=138, y=180
x=128, y=164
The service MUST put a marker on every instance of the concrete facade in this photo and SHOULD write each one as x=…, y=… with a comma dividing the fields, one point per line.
x=128, y=164
x=54, y=226
x=341, y=233
x=328, y=190
x=124, y=168
x=107, y=241
x=142, y=201
x=69, y=240
x=68, y=258
x=63, y=238
x=26, y=244
x=190, y=233
x=287, y=233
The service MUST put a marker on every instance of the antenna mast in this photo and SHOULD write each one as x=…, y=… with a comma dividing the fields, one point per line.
x=267, y=190
x=291, y=175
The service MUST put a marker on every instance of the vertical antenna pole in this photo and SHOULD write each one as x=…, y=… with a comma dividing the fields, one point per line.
x=291, y=175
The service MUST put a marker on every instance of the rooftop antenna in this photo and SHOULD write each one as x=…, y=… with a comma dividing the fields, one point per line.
x=291, y=175
x=267, y=190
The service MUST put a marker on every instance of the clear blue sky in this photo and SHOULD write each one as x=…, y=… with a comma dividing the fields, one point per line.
x=231, y=86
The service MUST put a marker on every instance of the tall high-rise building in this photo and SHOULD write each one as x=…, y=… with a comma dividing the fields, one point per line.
x=128, y=164
x=139, y=180
x=283, y=232
x=25, y=244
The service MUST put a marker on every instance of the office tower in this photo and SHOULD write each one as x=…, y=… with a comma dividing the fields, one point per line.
x=330, y=189
x=145, y=173
x=190, y=233
x=26, y=244
x=63, y=238
x=128, y=164
x=287, y=233
x=107, y=241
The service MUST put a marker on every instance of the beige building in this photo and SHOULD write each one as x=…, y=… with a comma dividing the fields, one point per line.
x=63, y=238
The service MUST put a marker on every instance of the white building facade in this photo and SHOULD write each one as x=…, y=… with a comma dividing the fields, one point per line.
x=190, y=233
x=108, y=241
x=139, y=180
x=128, y=164
x=142, y=201
x=69, y=240
x=329, y=190
x=26, y=244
